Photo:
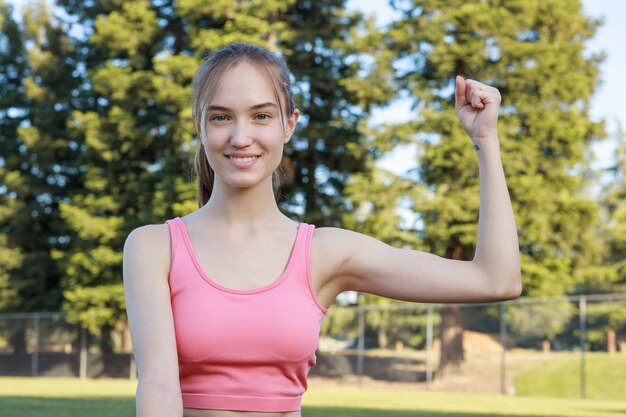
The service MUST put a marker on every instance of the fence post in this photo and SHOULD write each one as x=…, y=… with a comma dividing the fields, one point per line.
x=503, y=344
x=429, y=347
x=359, y=359
x=34, y=363
x=83, y=353
x=582, y=304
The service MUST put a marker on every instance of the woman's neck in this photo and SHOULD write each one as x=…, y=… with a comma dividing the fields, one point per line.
x=253, y=207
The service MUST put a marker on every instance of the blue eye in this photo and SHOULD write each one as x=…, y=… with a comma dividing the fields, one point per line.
x=219, y=118
x=262, y=116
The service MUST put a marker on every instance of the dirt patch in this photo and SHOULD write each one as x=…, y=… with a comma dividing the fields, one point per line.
x=482, y=371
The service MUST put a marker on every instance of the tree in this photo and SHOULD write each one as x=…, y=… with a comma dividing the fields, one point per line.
x=610, y=277
x=614, y=200
x=39, y=166
x=136, y=134
x=135, y=130
x=533, y=52
x=327, y=147
x=12, y=67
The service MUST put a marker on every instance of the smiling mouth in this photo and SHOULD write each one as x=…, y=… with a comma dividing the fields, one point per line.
x=242, y=159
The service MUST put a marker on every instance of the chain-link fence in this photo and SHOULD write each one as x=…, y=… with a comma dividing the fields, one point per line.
x=44, y=344
x=569, y=346
x=535, y=346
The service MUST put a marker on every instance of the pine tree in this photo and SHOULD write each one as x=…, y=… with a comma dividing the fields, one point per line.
x=13, y=65
x=327, y=146
x=614, y=201
x=134, y=127
x=533, y=52
x=137, y=138
x=38, y=166
x=610, y=277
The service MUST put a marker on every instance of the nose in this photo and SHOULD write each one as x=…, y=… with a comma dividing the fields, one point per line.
x=239, y=137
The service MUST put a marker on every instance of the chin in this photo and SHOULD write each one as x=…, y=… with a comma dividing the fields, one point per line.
x=243, y=183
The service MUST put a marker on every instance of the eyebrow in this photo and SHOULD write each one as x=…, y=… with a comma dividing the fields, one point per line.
x=255, y=107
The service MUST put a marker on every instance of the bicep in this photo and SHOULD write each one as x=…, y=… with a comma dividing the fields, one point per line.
x=371, y=266
x=146, y=290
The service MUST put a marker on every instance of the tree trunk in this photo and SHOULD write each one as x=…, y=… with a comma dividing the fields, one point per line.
x=452, y=353
x=127, y=345
x=106, y=342
x=610, y=341
x=18, y=341
x=383, y=340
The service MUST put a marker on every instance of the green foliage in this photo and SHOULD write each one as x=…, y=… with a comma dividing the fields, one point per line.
x=10, y=254
x=534, y=53
x=327, y=147
x=119, y=152
x=341, y=322
x=545, y=128
x=37, y=158
x=539, y=321
x=407, y=327
x=602, y=317
x=101, y=137
x=95, y=307
x=614, y=200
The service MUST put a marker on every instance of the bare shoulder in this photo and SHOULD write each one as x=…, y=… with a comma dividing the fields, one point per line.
x=333, y=248
x=149, y=246
x=149, y=233
x=340, y=241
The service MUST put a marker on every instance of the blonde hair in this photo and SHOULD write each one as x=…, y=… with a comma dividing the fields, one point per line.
x=205, y=84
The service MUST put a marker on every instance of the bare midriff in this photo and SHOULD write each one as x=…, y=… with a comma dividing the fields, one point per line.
x=196, y=412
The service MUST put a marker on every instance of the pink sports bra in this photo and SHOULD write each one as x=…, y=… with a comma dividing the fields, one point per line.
x=243, y=350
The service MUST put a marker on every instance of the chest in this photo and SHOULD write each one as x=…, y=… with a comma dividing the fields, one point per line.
x=278, y=325
x=243, y=262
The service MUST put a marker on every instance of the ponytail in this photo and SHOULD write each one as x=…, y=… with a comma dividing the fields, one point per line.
x=205, y=175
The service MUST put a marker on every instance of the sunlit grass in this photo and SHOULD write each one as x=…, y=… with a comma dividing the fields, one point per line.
x=66, y=397
x=560, y=377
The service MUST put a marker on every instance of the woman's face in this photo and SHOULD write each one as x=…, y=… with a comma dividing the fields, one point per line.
x=244, y=133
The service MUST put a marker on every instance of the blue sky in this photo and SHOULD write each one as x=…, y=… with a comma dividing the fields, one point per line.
x=607, y=103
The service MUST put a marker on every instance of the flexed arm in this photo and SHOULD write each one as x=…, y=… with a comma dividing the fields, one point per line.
x=361, y=263
x=497, y=250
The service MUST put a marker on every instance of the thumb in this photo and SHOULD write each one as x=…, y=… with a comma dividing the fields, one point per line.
x=460, y=99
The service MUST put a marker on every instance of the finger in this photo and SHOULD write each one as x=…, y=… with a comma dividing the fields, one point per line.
x=460, y=98
x=473, y=93
x=476, y=98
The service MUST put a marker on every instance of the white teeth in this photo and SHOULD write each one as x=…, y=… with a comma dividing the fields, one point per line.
x=246, y=159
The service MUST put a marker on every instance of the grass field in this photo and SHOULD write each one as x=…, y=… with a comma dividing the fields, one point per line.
x=560, y=377
x=62, y=397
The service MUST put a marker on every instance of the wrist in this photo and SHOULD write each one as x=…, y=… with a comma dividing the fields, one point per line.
x=482, y=142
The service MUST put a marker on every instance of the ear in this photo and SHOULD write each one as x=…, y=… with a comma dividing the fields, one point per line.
x=292, y=121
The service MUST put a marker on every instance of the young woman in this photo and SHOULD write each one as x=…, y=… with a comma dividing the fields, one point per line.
x=225, y=303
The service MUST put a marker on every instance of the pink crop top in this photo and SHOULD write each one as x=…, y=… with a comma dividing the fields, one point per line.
x=243, y=350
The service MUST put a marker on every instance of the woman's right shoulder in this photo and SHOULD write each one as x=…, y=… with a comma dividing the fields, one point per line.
x=149, y=243
x=150, y=234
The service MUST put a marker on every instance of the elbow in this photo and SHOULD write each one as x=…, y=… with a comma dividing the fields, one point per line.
x=501, y=281
x=512, y=288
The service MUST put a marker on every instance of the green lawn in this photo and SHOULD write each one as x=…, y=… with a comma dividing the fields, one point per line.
x=560, y=377
x=63, y=397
